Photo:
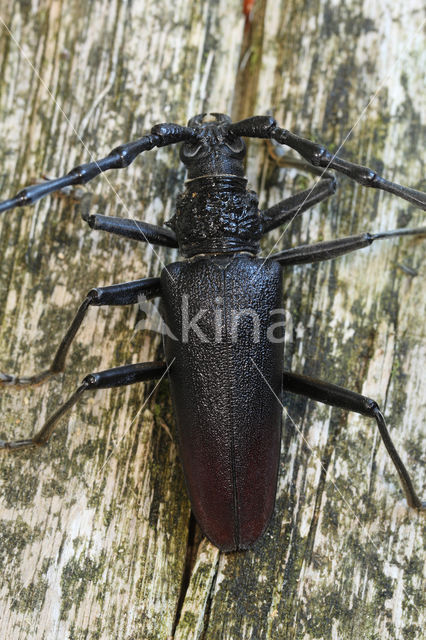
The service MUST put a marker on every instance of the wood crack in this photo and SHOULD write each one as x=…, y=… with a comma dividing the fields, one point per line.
x=250, y=62
x=190, y=558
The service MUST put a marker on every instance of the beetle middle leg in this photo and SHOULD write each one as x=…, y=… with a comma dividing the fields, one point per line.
x=343, y=398
x=107, y=379
x=113, y=295
x=320, y=251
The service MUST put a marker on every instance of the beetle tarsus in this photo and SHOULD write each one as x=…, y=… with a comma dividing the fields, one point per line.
x=8, y=380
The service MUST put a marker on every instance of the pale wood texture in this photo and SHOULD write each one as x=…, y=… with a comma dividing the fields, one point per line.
x=94, y=529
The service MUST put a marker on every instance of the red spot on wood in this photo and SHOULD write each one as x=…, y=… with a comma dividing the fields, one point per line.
x=247, y=7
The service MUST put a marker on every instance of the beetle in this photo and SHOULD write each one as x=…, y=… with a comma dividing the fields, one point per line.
x=225, y=369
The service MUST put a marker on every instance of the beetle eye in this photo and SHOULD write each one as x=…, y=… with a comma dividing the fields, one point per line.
x=191, y=149
x=235, y=144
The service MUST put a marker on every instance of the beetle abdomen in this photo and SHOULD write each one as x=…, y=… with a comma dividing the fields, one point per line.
x=226, y=369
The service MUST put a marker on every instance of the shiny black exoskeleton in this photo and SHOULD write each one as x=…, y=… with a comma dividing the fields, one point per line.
x=221, y=307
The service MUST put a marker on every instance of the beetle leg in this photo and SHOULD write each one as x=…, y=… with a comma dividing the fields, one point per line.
x=343, y=398
x=131, y=228
x=116, y=294
x=288, y=209
x=308, y=253
x=117, y=377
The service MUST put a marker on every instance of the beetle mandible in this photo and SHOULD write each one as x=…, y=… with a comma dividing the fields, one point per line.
x=226, y=378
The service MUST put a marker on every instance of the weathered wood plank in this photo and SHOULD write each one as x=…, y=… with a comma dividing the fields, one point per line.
x=343, y=557
x=94, y=529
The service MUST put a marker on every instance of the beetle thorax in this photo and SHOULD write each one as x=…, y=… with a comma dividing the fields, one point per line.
x=217, y=214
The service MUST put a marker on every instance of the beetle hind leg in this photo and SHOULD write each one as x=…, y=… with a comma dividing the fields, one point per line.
x=117, y=377
x=336, y=396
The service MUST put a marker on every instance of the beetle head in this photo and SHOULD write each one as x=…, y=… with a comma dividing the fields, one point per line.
x=214, y=151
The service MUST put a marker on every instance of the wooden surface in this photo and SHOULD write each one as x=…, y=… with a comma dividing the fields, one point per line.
x=96, y=538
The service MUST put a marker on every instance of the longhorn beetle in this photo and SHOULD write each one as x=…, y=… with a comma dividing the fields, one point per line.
x=225, y=380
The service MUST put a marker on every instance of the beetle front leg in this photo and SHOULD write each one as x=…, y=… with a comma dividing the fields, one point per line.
x=132, y=228
x=116, y=294
x=117, y=377
x=288, y=209
x=344, y=399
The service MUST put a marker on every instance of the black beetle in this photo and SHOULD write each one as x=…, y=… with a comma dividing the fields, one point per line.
x=225, y=365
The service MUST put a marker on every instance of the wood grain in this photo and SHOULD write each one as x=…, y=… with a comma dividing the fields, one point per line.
x=96, y=536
